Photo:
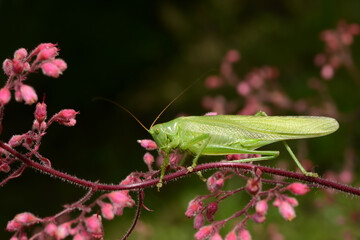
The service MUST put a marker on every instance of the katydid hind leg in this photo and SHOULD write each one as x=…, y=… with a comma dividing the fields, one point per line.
x=306, y=173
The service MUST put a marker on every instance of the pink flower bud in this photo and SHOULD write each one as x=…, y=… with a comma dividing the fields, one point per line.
x=17, y=66
x=28, y=94
x=107, y=211
x=211, y=209
x=26, y=66
x=4, y=96
x=51, y=229
x=253, y=186
x=231, y=157
x=16, y=140
x=18, y=96
x=48, y=53
x=298, y=188
x=261, y=207
x=204, y=233
x=287, y=211
x=40, y=112
x=63, y=230
x=277, y=202
x=199, y=221
x=258, y=218
x=20, y=54
x=231, y=235
x=327, y=72
x=243, y=88
x=66, y=117
x=213, y=82
x=232, y=56
x=26, y=218
x=23, y=236
x=8, y=67
x=148, y=158
x=93, y=224
x=42, y=46
x=215, y=182
x=14, y=238
x=121, y=198
x=194, y=207
x=293, y=202
x=216, y=237
x=13, y=226
x=51, y=70
x=244, y=234
x=148, y=144
x=78, y=236
x=61, y=64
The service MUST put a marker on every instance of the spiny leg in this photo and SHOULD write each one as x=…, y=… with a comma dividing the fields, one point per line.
x=198, y=139
x=163, y=167
x=310, y=174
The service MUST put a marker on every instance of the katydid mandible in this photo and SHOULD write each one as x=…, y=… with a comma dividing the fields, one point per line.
x=236, y=134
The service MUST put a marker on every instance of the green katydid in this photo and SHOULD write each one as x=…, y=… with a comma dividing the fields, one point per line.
x=233, y=134
x=236, y=134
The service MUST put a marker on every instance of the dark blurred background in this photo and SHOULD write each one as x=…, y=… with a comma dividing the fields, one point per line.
x=141, y=54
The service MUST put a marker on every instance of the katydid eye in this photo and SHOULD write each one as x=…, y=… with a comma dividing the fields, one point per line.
x=157, y=131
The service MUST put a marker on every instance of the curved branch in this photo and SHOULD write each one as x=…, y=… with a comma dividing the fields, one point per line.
x=206, y=166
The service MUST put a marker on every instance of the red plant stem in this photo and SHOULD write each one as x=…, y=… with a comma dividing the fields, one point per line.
x=137, y=216
x=182, y=173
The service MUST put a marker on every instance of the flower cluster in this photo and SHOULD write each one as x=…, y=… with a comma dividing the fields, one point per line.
x=18, y=68
x=203, y=208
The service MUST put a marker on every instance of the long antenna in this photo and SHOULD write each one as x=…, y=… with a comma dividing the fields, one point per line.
x=179, y=95
x=123, y=108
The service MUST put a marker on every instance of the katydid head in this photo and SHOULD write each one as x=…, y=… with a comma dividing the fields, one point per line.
x=163, y=134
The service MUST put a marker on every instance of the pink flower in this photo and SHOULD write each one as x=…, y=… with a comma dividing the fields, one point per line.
x=28, y=94
x=231, y=236
x=287, y=211
x=17, y=66
x=4, y=96
x=40, y=112
x=93, y=224
x=8, y=67
x=61, y=64
x=66, y=117
x=212, y=82
x=148, y=158
x=261, y=207
x=211, y=210
x=63, y=230
x=20, y=54
x=199, y=221
x=216, y=237
x=121, y=198
x=298, y=188
x=13, y=226
x=148, y=144
x=47, y=53
x=204, y=233
x=327, y=72
x=243, y=88
x=194, y=207
x=244, y=234
x=50, y=69
x=293, y=202
x=232, y=56
x=26, y=218
x=107, y=211
x=51, y=229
